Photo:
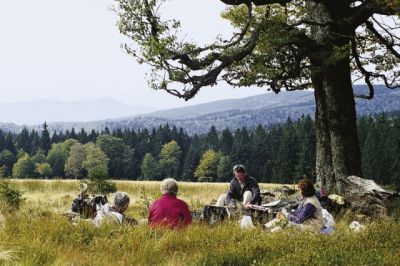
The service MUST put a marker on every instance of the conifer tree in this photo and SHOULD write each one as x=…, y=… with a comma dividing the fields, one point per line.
x=226, y=142
x=241, y=147
x=45, y=142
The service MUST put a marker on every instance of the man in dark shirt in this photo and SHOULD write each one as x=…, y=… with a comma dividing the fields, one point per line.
x=243, y=188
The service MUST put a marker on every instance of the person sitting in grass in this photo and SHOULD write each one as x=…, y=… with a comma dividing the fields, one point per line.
x=308, y=215
x=243, y=188
x=114, y=212
x=169, y=211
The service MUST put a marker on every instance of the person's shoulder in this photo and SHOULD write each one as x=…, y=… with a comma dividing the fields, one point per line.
x=252, y=179
x=312, y=199
x=157, y=201
x=182, y=202
x=106, y=207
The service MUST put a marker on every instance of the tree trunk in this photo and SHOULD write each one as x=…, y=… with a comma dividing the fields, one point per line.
x=338, y=152
x=337, y=149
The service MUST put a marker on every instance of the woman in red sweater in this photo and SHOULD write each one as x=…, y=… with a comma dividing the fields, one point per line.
x=169, y=211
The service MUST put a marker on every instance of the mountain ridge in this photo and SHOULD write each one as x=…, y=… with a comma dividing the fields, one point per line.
x=73, y=111
x=265, y=109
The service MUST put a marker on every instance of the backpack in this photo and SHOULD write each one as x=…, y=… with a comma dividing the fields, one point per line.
x=87, y=207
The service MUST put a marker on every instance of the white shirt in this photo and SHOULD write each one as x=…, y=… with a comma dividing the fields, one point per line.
x=106, y=213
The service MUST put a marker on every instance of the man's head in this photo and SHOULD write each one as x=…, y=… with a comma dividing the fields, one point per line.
x=240, y=173
x=120, y=201
x=169, y=186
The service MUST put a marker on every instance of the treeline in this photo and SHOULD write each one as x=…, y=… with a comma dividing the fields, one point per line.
x=279, y=154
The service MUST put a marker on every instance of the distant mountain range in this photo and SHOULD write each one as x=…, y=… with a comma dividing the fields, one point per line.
x=56, y=111
x=264, y=109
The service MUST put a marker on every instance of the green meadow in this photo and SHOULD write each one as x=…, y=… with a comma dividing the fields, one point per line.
x=39, y=234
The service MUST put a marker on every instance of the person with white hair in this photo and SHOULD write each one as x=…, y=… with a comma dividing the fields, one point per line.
x=114, y=212
x=169, y=211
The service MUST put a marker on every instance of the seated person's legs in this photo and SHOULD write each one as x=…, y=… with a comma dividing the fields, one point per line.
x=247, y=197
x=221, y=201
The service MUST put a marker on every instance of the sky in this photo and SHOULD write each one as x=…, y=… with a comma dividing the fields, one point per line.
x=70, y=51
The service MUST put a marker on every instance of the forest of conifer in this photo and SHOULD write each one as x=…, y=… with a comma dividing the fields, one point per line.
x=282, y=153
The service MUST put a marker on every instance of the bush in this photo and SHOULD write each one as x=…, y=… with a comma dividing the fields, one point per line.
x=10, y=197
x=101, y=186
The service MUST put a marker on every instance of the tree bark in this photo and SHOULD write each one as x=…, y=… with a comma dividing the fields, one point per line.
x=338, y=151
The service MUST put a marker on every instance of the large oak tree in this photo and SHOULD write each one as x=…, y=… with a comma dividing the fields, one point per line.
x=282, y=44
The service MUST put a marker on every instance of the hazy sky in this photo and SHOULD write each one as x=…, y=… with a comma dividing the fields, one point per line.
x=70, y=50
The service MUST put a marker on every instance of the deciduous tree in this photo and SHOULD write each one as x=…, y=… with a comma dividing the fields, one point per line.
x=282, y=44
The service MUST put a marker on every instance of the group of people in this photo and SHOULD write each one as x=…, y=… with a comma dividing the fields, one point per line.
x=167, y=212
x=245, y=190
x=170, y=212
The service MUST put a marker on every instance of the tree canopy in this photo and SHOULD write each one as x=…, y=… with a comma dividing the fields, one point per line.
x=281, y=44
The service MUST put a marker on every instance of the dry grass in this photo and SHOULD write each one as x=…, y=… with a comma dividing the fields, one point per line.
x=38, y=235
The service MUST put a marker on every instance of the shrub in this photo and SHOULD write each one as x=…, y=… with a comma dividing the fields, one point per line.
x=10, y=197
x=101, y=186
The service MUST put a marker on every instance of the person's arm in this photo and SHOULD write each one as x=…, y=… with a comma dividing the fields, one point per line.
x=303, y=214
x=151, y=214
x=230, y=193
x=255, y=191
x=187, y=215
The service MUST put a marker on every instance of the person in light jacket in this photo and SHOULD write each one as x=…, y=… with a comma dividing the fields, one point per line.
x=308, y=215
x=114, y=212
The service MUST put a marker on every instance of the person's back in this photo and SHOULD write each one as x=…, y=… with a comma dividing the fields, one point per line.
x=169, y=212
x=106, y=213
x=113, y=212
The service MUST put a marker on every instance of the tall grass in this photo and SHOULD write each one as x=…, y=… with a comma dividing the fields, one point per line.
x=38, y=235
x=7, y=256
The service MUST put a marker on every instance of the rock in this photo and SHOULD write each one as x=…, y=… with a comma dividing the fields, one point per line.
x=356, y=226
x=369, y=199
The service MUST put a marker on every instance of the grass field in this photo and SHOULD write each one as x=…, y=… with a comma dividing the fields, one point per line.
x=38, y=234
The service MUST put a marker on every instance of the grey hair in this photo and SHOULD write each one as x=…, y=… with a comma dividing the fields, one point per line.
x=169, y=186
x=120, y=200
x=239, y=168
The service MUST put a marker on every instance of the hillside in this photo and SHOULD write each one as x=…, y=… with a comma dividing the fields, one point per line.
x=265, y=109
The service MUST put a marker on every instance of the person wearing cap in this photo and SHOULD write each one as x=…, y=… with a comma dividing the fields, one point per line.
x=243, y=188
x=169, y=211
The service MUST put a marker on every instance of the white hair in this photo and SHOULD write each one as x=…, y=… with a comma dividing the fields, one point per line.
x=169, y=186
x=120, y=200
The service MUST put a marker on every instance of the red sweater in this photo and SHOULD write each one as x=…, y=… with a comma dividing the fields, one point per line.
x=169, y=212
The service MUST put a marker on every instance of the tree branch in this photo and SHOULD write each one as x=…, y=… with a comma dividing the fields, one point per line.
x=363, y=71
x=256, y=2
x=360, y=14
x=388, y=45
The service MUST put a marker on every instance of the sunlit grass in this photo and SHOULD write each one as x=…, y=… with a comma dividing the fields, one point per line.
x=7, y=256
x=38, y=234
